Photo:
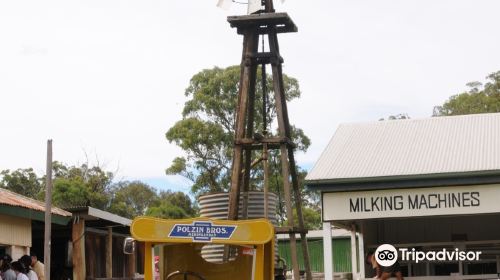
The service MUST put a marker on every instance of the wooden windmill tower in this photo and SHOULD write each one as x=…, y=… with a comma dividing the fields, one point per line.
x=267, y=23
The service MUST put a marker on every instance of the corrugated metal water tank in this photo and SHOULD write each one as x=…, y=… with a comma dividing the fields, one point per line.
x=215, y=206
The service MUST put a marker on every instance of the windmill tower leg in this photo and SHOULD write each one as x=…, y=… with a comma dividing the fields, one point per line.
x=244, y=123
x=288, y=162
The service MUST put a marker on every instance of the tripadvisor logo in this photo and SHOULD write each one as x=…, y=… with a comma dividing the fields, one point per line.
x=387, y=255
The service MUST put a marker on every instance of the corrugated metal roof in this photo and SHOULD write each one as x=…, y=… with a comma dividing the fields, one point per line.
x=415, y=147
x=91, y=213
x=13, y=199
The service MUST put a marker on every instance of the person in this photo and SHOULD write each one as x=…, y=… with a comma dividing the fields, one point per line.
x=26, y=261
x=6, y=270
x=37, y=266
x=384, y=272
x=19, y=270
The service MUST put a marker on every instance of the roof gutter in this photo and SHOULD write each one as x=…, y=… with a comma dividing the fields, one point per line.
x=405, y=181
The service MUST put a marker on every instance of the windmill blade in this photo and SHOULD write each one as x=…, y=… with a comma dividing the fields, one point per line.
x=254, y=6
x=224, y=4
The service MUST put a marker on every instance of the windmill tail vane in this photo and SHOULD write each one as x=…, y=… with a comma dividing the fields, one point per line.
x=253, y=5
x=224, y=4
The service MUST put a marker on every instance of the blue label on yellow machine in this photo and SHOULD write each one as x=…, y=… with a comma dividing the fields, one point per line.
x=202, y=231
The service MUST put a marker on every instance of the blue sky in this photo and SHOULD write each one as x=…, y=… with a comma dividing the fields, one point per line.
x=174, y=183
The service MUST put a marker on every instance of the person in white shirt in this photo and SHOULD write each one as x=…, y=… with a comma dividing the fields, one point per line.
x=26, y=261
x=5, y=269
x=19, y=270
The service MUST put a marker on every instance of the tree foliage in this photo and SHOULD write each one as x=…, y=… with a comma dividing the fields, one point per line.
x=312, y=218
x=172, y=205
x=81, y=186
x=402, y=116
x=477, y=99
x=86, y=185
x=206, y=134
x=72, y=185
x=206, y=130
x=22, y=181
x=180, y=200
x=132, y=199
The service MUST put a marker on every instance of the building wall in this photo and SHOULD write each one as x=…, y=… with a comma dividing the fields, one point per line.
x=15, y=234
x=15, y=231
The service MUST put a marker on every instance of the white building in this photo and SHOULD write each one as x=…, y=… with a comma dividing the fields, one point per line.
x=426, y=184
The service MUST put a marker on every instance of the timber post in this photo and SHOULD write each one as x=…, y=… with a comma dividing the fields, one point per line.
x=109, y=253
x=78, y=238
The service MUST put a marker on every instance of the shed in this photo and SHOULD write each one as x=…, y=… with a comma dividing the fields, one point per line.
x=421, y=183
x=17, y=214
x=97, y=252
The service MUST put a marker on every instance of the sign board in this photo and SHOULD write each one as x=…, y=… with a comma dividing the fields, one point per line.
x=202, y=231
x=243, y=232
x=438, y=201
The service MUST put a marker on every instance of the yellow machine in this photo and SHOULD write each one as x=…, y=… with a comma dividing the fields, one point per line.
x=180, y=243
